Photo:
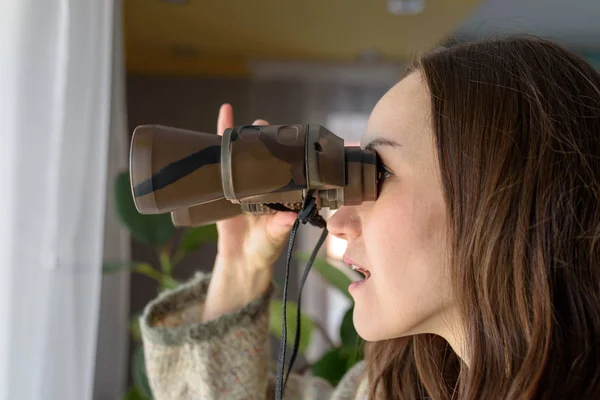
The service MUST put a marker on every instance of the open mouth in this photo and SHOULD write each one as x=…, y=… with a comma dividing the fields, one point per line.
x=365, y=273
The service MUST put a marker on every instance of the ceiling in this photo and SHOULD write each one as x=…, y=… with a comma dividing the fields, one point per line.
x=575, y=23
x=221, y=36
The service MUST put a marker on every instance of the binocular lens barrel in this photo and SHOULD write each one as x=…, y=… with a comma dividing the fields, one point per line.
x=174, y=168
x=203, y=178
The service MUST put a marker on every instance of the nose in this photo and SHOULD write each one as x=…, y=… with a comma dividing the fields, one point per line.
x=345, y=223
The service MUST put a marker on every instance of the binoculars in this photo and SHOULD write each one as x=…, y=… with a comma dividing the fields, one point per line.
x=201, y=178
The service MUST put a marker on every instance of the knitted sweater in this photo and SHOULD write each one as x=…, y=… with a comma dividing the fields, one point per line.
x=226, y=358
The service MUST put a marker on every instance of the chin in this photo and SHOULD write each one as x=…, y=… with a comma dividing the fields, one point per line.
x=368, y=329
x=372, y=334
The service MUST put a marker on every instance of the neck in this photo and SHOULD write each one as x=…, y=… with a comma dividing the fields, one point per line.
x=452, y=330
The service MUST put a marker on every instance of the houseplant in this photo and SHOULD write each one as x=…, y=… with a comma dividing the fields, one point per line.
x=158, y=232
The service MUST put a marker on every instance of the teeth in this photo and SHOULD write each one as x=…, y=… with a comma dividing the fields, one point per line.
x=363, y=271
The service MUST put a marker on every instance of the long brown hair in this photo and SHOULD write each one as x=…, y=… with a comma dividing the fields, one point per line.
x=517, y=129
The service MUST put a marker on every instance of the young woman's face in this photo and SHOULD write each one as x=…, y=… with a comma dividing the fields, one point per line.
x=401, y=237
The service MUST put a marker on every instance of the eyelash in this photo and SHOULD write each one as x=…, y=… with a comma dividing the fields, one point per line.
x=382, y=172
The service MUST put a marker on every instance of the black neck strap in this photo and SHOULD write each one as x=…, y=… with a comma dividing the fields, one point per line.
x=308, y=214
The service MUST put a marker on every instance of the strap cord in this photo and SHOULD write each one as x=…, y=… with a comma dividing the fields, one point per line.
x=307, y=214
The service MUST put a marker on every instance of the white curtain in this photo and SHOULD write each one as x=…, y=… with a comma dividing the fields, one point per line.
x=112, y=349
x=55, y=78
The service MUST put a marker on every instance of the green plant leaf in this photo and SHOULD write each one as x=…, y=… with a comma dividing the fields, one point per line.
x=353, y=355
x=134, y=394
x=134, y=327
x=329, y=273
x=276, y=323
x=138, y=372
x=146, y=269
x=193, y=238
x=114, y=266
x=352, y=343
x=153, y=229
x=332, y=366
x=164, y=259
x=168, y=282
x=348, y=333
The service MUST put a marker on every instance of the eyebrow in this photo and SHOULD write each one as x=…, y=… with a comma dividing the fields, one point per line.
x=378, y=142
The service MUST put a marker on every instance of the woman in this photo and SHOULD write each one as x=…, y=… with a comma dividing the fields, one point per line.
x=483, y=247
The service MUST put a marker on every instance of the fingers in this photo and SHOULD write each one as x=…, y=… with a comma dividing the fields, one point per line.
x=279, y=226
x=260, y=122
x=225, y=119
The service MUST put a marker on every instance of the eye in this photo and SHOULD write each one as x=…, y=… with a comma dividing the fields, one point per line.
x=383, y=172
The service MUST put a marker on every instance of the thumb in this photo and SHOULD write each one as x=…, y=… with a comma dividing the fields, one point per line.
x=225, y=118
x=260, y=122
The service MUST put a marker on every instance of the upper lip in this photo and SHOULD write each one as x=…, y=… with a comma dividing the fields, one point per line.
x=350, y=262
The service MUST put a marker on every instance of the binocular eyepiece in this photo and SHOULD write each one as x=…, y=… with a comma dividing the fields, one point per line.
x=203, y=178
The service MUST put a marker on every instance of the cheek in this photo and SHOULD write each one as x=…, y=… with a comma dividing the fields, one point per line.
x=397, y=247
x=406, y=225
x=392, y=228
x=404, y=244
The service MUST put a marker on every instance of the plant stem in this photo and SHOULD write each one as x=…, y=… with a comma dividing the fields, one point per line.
x=146, y=269
x=168, y=282
x=179, y=254
x=165, y=261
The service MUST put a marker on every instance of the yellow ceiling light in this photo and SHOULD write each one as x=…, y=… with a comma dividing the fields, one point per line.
x=220, y=36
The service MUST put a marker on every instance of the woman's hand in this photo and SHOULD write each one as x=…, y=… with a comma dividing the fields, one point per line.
x=247, y=249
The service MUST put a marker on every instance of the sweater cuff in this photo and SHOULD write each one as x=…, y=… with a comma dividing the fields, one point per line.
x=184, y=305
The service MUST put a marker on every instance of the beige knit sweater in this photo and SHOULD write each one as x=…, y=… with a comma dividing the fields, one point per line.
x=227, y=358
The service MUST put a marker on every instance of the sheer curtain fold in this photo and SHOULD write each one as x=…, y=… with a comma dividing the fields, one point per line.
x=55, y=80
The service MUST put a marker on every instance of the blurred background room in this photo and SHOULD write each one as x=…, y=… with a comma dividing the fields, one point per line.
x=76, y=78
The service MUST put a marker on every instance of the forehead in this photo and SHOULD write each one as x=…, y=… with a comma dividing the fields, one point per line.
x=402, y=114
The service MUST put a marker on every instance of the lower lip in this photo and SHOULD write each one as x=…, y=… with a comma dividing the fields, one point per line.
x=356, y=285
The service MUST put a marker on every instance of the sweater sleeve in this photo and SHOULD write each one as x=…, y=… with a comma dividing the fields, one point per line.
x=226, y=358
